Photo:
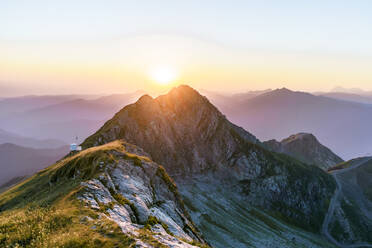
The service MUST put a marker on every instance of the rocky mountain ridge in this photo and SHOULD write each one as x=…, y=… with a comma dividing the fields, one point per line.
x=306, y=148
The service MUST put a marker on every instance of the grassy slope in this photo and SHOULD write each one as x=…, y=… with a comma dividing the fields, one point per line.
x=345, y=164
x=43, y=210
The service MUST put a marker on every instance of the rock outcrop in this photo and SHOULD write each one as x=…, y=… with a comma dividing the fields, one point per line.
x=306, y=148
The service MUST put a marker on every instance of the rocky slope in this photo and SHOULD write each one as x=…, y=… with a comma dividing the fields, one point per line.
x=195, y=142
x=306, y=148
x=351, y=220
x=116, y=184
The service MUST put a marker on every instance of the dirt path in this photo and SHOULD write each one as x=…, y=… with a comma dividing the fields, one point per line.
x=332, y=206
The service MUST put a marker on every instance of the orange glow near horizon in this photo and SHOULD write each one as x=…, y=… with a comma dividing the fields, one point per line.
x=157, y=63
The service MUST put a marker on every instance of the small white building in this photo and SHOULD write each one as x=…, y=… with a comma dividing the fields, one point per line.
x=75, y=147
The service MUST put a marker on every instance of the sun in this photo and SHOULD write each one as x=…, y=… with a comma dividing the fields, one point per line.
x=163, y=75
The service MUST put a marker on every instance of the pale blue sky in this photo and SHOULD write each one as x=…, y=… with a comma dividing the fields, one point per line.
x=337, y=29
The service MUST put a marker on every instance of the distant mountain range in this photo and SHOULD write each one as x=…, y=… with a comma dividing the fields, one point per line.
x=7, y=137
x=351, y=90
x=60, y=117
x=19, y=161
x=342, y=126
x=367, y=99
x=269, y=114
x=23, y=103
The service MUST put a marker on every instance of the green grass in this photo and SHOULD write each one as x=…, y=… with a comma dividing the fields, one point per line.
x=347, y=164
x=168, y=180
x=152, y=220
x=59, y=225
x=43, y=211
x=124, y=201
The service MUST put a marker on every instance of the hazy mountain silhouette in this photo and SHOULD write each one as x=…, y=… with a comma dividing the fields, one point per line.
x=7, y=137
x=367, y=99
x=342, y=126
x=23, y=103
x=67, y=119
x=18, y=161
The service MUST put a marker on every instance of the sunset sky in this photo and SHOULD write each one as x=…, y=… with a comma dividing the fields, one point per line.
x=95, y=46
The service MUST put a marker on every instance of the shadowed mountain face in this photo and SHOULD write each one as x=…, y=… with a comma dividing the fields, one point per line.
x=306, y=148
x=190, y=137
x=342, y=126
x=18, y=161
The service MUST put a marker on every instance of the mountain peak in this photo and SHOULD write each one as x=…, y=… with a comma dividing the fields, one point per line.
x=145, y=99
x=182, y=94
x=183, y=89
x=180, y=122
x=282, y=90
x=307, y=148
x=300, y=136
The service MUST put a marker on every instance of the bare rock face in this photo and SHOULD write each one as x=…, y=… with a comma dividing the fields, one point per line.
x=180, y=130
x=134, y=192
x=307, y=149
x=185, y=133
